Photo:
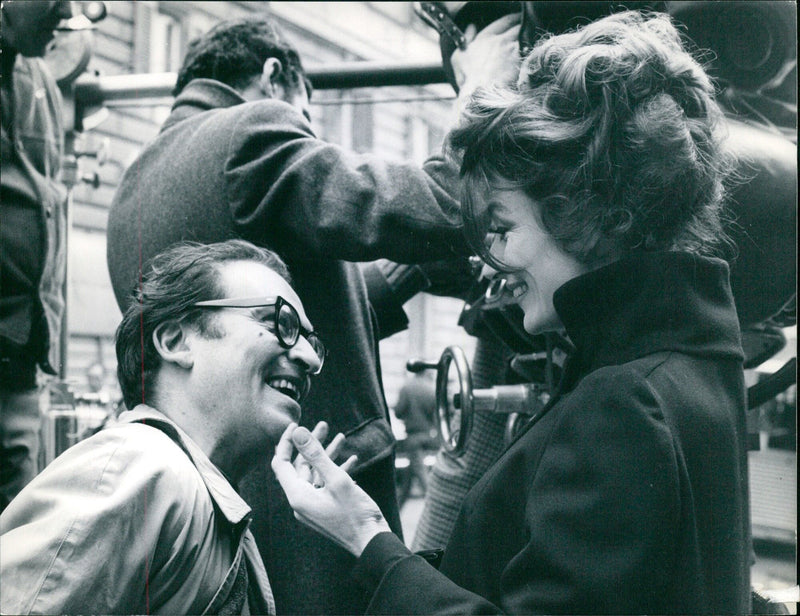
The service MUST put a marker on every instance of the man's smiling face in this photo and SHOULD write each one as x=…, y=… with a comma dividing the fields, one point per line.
x=244, y=381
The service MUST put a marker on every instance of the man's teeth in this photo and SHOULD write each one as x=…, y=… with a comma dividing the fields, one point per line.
x=285, y=387
x=518, y=288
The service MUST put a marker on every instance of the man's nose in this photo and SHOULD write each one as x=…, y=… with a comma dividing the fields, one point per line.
x=304, y=353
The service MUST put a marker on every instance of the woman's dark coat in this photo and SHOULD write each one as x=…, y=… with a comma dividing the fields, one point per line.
x=629, y=493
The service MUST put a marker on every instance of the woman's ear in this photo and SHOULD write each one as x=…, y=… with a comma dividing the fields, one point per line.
x=172, y=344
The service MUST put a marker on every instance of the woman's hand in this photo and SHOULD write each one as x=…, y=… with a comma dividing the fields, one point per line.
x=322, y=494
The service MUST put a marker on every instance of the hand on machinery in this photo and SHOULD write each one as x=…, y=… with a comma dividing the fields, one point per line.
x=491, y=56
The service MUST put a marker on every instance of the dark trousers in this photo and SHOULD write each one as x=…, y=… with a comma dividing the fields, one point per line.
x=20, y=428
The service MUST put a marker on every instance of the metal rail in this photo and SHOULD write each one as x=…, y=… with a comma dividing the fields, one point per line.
x=91, y=91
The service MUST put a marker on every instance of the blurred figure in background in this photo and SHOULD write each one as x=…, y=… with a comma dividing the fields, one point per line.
x=96, y=381
x=416, y=408
x=32, y=248
x=98, y=404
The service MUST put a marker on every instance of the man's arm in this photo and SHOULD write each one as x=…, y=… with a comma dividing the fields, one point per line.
x=93, y=532
x=324, y=201
x=314, y=199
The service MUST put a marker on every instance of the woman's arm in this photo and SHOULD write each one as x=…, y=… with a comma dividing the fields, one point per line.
x=332, y=504
x=323, y=495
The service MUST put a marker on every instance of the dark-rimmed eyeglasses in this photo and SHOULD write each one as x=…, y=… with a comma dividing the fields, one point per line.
x=284, y=320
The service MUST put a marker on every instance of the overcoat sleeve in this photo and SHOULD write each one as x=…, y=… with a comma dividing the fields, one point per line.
x=329, y=202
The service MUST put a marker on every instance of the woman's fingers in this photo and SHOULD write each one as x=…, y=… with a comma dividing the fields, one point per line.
x=339, y=509
x=285, y=448
x=334, y=446
x=320, y=431
x=285, y=471
x=348, y=464
x=332, y=450
x=302, y=465
x=313, y=453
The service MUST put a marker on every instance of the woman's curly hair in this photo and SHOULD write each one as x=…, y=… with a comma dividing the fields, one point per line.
x=614, y=131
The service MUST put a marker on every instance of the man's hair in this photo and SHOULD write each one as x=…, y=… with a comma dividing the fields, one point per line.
x=174, y=280
x=613, y=131
x=234, y=53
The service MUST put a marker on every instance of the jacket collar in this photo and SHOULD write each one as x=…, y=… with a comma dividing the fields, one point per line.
x=202, y=95
x=647, y=303
x=232, y=506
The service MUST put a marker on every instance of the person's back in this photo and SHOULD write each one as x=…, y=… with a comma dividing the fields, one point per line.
x=416, y=405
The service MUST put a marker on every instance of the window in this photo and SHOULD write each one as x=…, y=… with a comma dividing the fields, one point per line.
x=166, y=48
x=362, y=127
x=162, y=33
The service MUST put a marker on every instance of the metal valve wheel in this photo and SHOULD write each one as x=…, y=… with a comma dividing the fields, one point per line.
x=454, y=412
x=457, y=401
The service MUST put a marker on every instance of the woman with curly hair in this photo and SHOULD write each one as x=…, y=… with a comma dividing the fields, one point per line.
x=598, y=182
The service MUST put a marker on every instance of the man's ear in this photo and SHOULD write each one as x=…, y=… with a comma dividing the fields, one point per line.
x=269, y=73
x=172, y=345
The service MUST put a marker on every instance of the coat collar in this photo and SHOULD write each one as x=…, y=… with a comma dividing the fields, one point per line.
x=232, y=506
x=642, y=304
x=648, y=303
x=202, y=95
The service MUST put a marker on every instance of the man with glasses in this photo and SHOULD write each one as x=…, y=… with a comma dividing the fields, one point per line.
x=215, y=356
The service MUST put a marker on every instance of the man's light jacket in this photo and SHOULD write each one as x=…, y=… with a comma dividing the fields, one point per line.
x=134, y=520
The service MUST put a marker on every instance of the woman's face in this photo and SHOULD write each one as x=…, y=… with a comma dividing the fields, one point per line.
x=539, y=266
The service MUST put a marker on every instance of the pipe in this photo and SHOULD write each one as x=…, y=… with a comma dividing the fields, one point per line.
x=90, y=90
x=374, y=75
